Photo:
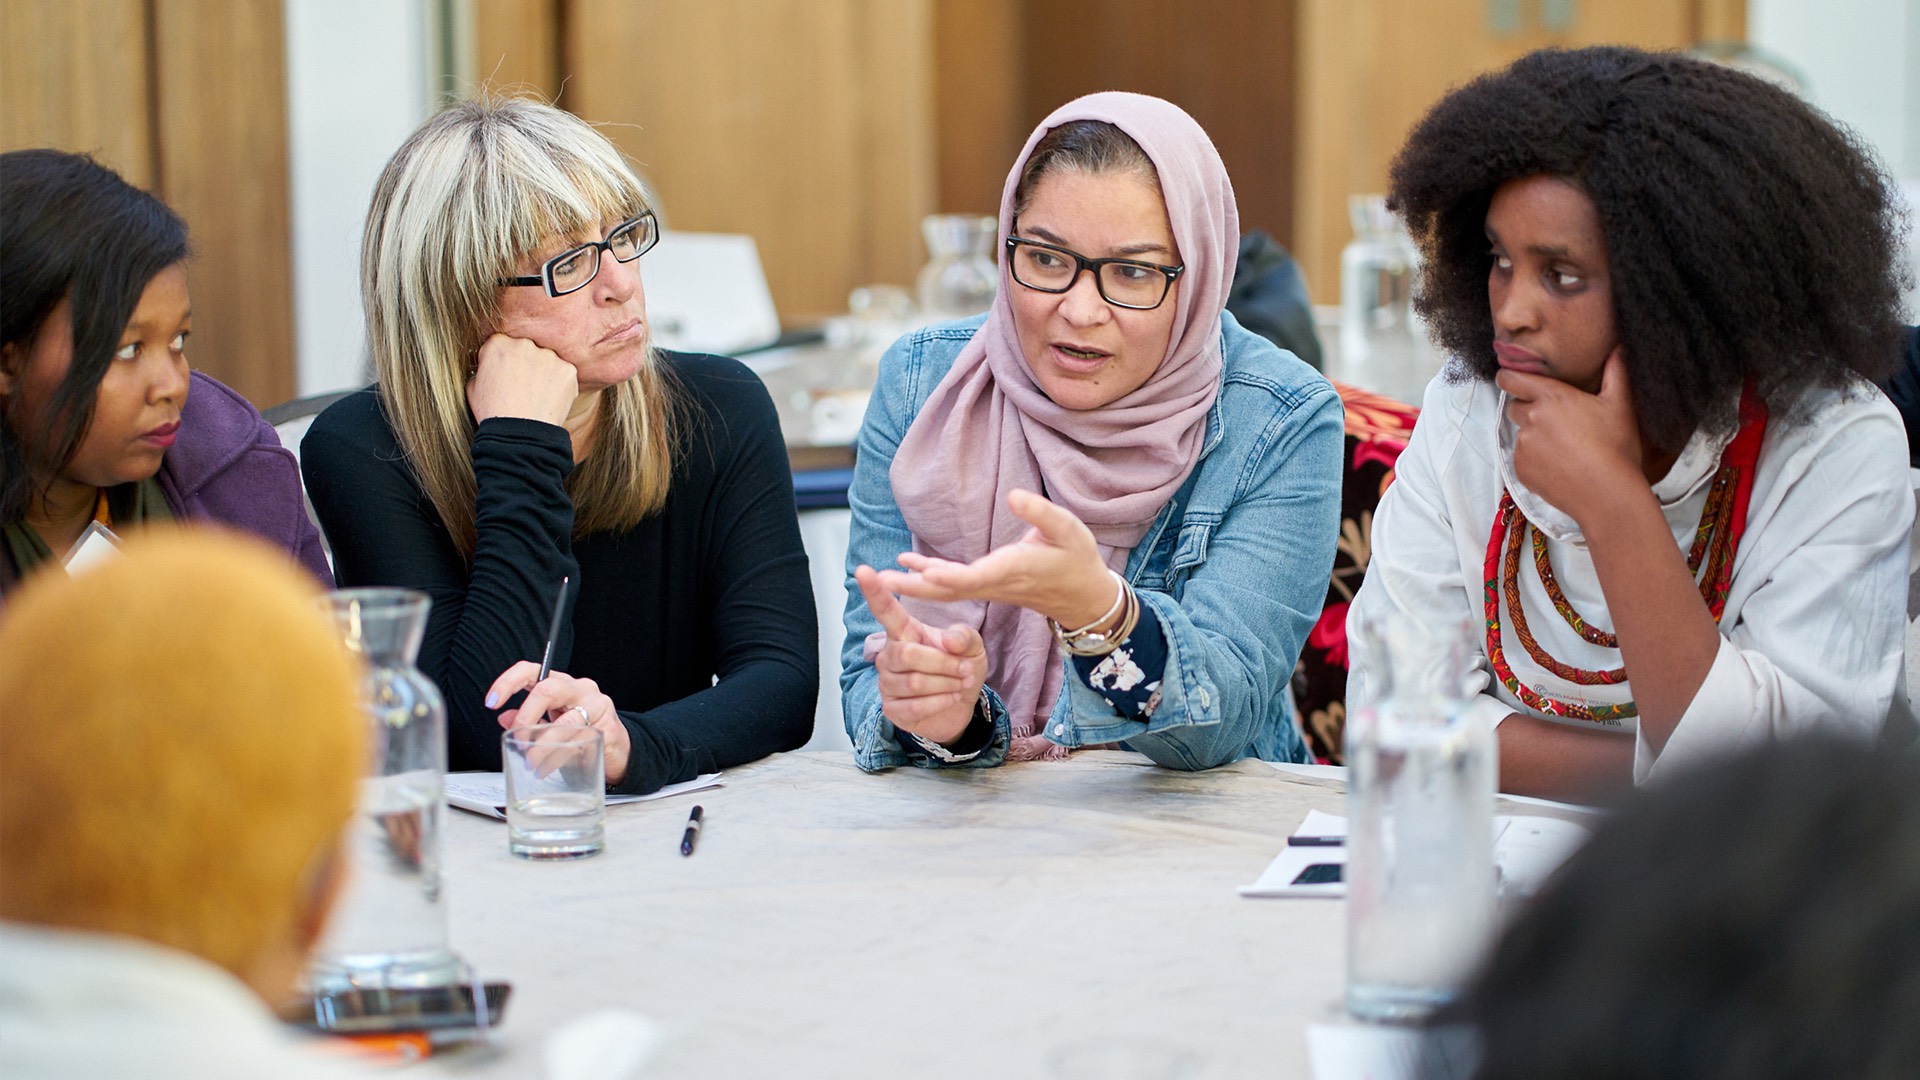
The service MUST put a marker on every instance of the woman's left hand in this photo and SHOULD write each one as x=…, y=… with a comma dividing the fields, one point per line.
x=1574, y=449
x=1055, y=569
x=562, y=699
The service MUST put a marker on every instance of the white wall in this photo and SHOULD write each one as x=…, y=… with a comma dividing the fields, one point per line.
x=357, y=84
x=1861, y=63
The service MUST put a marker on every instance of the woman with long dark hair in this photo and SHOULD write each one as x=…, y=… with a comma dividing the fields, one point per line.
x=101, y=419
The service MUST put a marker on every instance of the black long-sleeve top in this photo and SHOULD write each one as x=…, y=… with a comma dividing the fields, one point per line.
x=1904, y=389
x=713, y=586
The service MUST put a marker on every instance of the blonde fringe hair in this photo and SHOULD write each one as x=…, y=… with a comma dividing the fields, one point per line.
x=469, y=196
x=188, y=778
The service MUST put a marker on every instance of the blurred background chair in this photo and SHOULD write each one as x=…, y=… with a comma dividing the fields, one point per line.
x=290, y=420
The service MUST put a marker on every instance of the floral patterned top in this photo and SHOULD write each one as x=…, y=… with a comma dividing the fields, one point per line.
x=1128, y=678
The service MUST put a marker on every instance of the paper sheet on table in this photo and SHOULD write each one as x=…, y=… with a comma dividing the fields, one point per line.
x=1339, y=772
x=486, y=792
x=1355, y=1051
x=1525, y=849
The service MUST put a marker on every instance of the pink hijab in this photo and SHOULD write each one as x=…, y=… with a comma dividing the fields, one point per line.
x=988, y=428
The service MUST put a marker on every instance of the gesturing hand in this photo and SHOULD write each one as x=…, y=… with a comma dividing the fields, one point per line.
x=1055, y=569
x=562, y=699
x=1575, y=449
x=515, y=377
x=929, y=679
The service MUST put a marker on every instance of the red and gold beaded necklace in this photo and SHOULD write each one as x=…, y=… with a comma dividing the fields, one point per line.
x=1715, y=542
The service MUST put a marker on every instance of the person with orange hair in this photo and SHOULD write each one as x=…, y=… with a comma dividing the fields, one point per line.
x=179, y=753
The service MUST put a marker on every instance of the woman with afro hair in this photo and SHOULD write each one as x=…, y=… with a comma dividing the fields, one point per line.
x=1656, y=477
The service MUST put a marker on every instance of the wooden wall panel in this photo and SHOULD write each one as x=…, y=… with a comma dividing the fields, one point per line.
x=805, y=123
x=1369, y=69
x=893, y=164
x=74, y=75
x=221, y=82
x=980, y=100
x=1720, y=20
x=516, y=46
x=1228, y=63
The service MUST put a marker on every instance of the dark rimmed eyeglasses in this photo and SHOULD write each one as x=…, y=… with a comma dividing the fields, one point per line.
x=573, y=268
x=1127, y=283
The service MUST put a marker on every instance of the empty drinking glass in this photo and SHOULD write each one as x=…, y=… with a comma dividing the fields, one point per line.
x=556, y=790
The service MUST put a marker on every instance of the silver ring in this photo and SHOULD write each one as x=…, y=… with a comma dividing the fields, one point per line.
x=585, y=717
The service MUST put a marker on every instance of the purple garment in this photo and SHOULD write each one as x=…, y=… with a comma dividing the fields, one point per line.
x=228, y=465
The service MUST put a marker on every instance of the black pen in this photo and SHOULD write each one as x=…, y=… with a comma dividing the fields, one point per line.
x=693, y=832
x=1316, y=841
x=553, y=629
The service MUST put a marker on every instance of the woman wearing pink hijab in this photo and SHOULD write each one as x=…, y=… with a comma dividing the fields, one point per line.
x=1114, y=508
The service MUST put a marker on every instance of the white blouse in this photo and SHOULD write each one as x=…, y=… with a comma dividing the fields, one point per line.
x=1813, y=634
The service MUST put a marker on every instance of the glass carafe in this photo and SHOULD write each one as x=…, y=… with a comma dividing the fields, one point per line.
x=390, y=926
x=960, y=278
x=1421, y=784
x=1382, y=345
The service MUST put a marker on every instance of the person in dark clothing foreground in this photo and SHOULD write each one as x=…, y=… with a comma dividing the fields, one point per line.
x=1760, y=920
x=1904, y=389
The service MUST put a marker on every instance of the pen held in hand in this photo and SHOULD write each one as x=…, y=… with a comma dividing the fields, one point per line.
x=693, y=831
x=553, y=629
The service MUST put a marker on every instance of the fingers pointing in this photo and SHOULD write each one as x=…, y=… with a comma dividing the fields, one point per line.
x=885, y=606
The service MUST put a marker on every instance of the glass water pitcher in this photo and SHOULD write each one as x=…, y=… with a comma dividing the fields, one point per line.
x=390, y=927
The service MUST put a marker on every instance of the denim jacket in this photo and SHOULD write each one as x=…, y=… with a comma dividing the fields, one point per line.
x=1235, y=566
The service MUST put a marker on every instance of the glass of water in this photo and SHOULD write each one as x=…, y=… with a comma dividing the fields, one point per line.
x=1421, y=782
x=556, y=790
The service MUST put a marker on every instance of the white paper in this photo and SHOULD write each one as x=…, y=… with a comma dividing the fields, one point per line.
x=1532, y=848
x=1526, y=849
x=1321, y=823
x=1356, y=1051
x=1323, y=772
x=486, y=792
x=1277, y=880
x=1339, y=772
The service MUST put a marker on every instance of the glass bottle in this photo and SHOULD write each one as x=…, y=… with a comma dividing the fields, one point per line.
x=390, y=927
x=961, y=277
x=1421, y=785
x=1382, y=345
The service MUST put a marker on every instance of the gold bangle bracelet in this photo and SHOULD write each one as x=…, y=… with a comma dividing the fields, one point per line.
x=1090, y=641
x=1119, y=601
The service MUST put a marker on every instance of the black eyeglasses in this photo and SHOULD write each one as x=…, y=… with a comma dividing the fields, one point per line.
x=573, y=268
x=1127, y=283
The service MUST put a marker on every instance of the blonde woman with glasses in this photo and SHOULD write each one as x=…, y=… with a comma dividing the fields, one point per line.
x=523, y=431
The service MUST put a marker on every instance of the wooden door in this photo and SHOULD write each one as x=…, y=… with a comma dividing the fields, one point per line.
x=186, y=98
x=1369, y=69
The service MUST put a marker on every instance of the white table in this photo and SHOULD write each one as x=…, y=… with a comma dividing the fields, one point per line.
x=916, y=923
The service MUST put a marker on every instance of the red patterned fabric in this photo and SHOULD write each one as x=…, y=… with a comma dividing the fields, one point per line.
x=1377, y=431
